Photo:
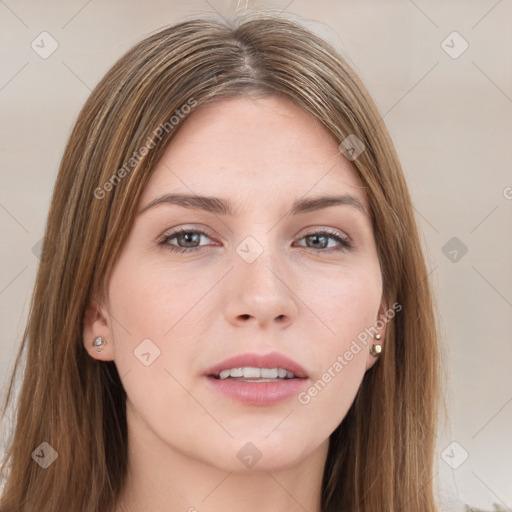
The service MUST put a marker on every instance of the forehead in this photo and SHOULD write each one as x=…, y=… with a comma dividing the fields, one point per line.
x=248, y=149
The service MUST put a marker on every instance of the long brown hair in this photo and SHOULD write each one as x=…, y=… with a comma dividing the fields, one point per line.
x=381, y=456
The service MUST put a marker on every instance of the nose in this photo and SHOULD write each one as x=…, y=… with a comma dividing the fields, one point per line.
x=261, y=293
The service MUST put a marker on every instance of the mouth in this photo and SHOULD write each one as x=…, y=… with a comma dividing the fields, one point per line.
x=256, y=379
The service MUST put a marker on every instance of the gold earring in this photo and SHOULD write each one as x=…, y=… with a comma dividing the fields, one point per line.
x=375, y=350
x=99, y=342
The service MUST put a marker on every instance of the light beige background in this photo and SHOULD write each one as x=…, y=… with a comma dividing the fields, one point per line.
x=449, y=117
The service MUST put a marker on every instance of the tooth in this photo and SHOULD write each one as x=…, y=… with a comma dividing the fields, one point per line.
x=267, y=373
x=250, y=372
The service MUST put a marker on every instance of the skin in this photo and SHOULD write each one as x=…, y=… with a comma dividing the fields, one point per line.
x=302, y=298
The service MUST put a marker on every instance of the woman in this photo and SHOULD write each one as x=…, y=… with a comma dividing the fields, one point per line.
x=232, y=309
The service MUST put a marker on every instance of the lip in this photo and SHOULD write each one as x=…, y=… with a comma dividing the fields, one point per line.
x=271, y=360
x=258, y=393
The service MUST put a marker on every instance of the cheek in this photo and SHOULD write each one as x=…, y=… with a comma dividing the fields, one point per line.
x=325, y=403
x=345, y=307
x=157, y=315
x=152, y=301
x=345, y=303
x=152, y=312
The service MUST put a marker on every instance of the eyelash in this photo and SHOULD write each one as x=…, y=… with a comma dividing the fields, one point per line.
x=345, y=243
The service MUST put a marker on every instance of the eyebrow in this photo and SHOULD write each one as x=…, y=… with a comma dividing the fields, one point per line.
x=220, y=206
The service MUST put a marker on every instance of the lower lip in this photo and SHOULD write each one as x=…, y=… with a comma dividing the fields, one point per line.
x=258, y=393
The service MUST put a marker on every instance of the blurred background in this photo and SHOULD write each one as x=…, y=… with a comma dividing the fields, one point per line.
x=441, y=74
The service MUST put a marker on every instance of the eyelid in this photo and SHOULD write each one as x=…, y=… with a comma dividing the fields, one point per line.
x=185, y=227
x=323, y=229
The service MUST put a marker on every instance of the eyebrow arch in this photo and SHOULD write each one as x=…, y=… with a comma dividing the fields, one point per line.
x=220, y=206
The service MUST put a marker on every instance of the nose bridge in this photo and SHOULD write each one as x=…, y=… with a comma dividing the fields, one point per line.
x=258, y=257
x=259, y=282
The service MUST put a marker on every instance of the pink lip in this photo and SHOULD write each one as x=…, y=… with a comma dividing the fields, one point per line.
x=271, y=360
x=258, y=393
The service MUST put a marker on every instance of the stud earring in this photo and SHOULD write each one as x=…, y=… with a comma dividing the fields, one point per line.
x=99, y=342
x=375, y=350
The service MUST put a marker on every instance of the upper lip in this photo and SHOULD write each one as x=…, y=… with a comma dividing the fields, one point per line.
x=271, y=360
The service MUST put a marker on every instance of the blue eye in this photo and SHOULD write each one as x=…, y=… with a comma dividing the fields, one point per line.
x=192, y=236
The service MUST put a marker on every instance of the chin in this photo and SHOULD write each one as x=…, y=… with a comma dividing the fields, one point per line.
x=246, y=456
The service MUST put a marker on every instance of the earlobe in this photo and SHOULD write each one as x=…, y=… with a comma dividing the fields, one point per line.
x=96, y=331
x=377, y=344
x=375, y=350
x=99, y=343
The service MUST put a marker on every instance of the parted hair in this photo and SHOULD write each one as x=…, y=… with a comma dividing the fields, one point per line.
x=381, y=456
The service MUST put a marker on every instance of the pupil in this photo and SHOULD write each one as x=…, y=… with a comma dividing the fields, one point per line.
x=187, y=237
x=317, y=237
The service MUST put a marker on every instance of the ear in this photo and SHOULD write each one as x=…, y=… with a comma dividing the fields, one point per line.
x=97, y=323
x=378, y=327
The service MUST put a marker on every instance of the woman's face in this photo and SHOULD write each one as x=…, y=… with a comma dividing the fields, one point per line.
x=301, y=284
